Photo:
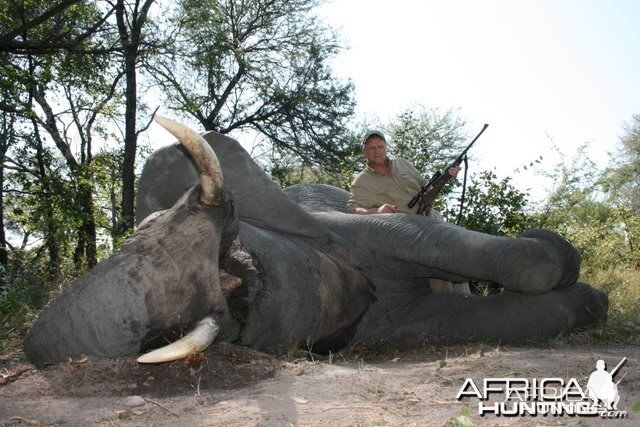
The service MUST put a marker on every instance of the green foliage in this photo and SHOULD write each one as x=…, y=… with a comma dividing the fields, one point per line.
x=623, y=177
x=585, y=207
x=494, y=206
x=607, y=237
x=287, y=170
x=22, y=32
x=60, y=108
x=428, y=138
x=24, y=289
x=575, y=180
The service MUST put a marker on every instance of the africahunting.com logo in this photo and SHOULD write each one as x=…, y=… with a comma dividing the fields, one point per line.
x=549, y=396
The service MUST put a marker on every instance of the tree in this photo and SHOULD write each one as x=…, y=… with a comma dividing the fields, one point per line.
x=623, y=180
x=428, y=138
x=261, y=66
x=61, y=96
x=575, y=179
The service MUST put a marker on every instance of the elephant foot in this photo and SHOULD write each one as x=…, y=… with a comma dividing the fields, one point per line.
x=537, y=262
x=563, y=254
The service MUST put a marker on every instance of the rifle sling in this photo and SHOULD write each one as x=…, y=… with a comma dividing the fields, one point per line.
x=464, y=189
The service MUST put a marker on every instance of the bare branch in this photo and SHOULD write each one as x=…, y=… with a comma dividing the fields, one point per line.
x=145, y=127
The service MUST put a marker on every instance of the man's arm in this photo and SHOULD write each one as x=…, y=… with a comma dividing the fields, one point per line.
x=361, y=201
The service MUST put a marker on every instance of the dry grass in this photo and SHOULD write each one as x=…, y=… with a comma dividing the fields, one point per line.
x=622, y=284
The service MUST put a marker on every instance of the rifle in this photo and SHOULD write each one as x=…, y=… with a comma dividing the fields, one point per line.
x=431, y=189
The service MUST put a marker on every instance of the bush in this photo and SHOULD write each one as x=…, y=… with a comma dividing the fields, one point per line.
x=607, y=240
x=622, y=285
x=24, y=290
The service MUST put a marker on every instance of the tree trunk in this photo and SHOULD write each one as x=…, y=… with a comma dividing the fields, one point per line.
x=86, y=247
x=4, y=256
x=130, y=25
x=5, y=143
x=130, y=145
x=51, y=238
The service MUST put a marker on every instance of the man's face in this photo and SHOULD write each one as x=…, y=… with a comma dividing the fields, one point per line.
x=375, y=151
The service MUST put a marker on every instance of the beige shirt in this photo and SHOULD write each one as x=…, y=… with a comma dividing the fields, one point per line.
x=371, y=189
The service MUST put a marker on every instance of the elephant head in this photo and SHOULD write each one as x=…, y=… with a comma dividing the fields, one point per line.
x=163, y=280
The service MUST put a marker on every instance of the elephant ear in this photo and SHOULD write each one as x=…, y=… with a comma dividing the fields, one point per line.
x=169, y=172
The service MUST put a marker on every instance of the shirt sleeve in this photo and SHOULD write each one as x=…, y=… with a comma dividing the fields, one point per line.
x=360, y=197
x=413, y=172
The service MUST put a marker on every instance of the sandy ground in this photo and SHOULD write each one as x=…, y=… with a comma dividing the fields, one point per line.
x=238, y=386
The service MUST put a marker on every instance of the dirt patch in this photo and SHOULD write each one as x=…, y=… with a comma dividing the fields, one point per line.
x=236, y=385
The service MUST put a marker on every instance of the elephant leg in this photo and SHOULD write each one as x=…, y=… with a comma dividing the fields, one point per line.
x=535, y=262
x=408, y=246
x=508, y=317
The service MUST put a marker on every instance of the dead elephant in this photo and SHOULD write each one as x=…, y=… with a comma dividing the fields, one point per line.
x=306, y=271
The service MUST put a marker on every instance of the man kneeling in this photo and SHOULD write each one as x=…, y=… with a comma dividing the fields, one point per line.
x=385, y=186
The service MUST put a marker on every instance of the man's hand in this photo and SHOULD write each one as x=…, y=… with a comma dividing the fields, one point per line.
x=386, y=208
x=453, y=171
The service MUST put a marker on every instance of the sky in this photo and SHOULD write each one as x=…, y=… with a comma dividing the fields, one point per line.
x=540, y=72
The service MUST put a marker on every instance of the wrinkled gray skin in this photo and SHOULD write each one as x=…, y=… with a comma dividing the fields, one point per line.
x=309, y=271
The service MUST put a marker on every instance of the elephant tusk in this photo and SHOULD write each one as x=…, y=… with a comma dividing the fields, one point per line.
x=195, y=341
x=205, y=159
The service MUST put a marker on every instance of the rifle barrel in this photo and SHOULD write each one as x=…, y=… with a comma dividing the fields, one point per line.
x=458, y=159
x=486, y=125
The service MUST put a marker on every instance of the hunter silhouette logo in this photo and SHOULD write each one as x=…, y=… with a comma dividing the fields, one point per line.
x=549, y=396
x=601, y=387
